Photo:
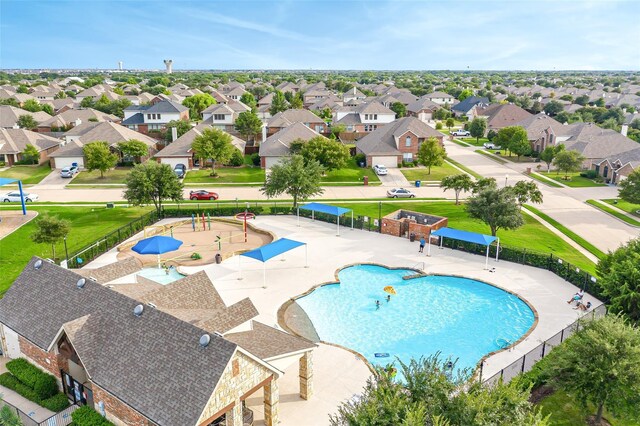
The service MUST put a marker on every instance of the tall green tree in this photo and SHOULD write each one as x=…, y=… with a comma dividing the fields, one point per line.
x=547, y=155
x=527, y=191
x=399, y=109
x=619, y=273
x=31, y=154
x=197, y=104
x=27, y=121
x=215, y=145
x=519, y=143
x=600, y=364
x=465, y=94
x=568, y=161
x=248, y=124
x=630, y=188
x=457, y=183
x=498, y=208
x=330, y=154
x=431, y=153
x=152, y=183
x=297, y=102
x=50, y=230
x=295, y=177
x=98, y=156
x=134, y=149
x=278, y=103
x=450, y=123
x=31, y=105
x=477, y=128
x=553, y=108
x=249, y=100
x=182, y=126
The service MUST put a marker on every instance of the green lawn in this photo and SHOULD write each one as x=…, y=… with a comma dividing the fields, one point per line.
x=463, y=167
x=532, y=236
x=87, y=225
x=352, y=173
x=575, y=180
x=29, y=175
x=495, y=158
x=545, y=181
x=437, y=173
x=226, y=175
x=613, y=212
x=633, y=209
x=115, y=176
x=472, y=141
x=566, y=411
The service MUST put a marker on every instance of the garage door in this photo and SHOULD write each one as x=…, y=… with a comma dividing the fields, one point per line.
x=271, y=161
x=62, y=162
x=175, y=160
x=389, y=161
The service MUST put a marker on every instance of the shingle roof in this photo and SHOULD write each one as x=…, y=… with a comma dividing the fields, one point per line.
x=439, y=95
x=277, y=145
x=374, y=107
x=13, y=141
x=384, y=140
x=499, y=116
x=421, y=104
x=536, y=125
x=9, y=115
x=594, y=142
x=84, y=114
x=137, y=118
x=181, y=147
x=266, y=342
x=112, y=133
x=153, y=363
x=469, y=103
x=290, y=116
x=113, y=271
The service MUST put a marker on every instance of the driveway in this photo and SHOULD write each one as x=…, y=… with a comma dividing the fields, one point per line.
x=52, y=181
x=394, y=178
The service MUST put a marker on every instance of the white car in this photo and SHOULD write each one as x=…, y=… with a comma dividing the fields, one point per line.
x=461, y=133
x=490, y=145
x=380, y=169
x=400, y=193
x=15, y=196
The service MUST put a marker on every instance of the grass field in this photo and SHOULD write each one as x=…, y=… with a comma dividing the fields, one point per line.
x=575, y=180
x=472, y=141
x=633, y=209
x=351, y=174
x=544, y=181
x=613, y=212
x=566, y=411
x=465, y=168
x=495, y=158
x=115, y=176
x=29, y=175
x=437, y=173
x=237, y=175
x=87, y=225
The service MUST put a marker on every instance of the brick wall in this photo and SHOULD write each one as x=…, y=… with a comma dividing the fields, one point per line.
x=48, y=361
x=393, y=226
x=117, y=411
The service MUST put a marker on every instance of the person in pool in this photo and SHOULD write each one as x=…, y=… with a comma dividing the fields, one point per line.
x=388, y=298
x=377, y=305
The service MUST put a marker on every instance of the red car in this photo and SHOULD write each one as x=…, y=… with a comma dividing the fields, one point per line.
x=201, y=194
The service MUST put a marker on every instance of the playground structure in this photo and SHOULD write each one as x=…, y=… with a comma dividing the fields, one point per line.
x=204, y=238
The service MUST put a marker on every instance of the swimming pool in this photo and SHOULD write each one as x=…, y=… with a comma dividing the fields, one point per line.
x=160, y=276
x=459, y=317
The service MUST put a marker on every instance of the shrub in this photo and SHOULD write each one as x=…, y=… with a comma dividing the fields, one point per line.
x=87, y=416
x=237, y=159
x=8, y=380
x=589, y=174
x=255, y=159
x=196, y=256
x=56, y=403
x=492, y=134
x=360, y=158
x=439, y=125
x=24, y=371
x=45, y=386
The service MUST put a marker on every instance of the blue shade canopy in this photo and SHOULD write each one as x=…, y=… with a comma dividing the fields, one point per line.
x=6, y=181
x=325, y=208
x=470, y=237
x=273, y=249
x=157, y=245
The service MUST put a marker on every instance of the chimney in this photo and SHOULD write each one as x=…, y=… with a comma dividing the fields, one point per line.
x=623, y=129
x=174, y=134
x=78, y=122
x=264, y=133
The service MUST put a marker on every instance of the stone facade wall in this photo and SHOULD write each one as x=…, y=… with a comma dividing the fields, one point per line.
x=232, y=387
x=117, y=411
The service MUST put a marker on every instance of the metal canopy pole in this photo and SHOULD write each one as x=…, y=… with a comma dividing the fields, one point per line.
x=24, y=207
x=486, y=262
x=352, y=220
x=497, y=249
x=338, y=224
x=298, y=209
x=429, y=246
x=264, y=274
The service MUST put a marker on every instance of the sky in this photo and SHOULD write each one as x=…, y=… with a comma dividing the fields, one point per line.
x=305, y=34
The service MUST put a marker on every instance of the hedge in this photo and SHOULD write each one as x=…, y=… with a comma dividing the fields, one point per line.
x=43, y=384
x=56, y=403
x=10, y=381
x=87, y=416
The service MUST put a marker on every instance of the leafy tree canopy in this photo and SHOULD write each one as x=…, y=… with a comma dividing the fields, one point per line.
x=295, y=177
x=152, y=183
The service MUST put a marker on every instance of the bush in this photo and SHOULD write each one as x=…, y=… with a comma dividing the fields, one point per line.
x=589, y=174
x=10, y=381
x=255, y=159
x=46, y=386
x=87, y=416
x=438, y=125
x=196, y=256
x=24, y=371
x=2, y=164
x=237, y=159
x=56, y=403
x=492, y=134
x=360, y=158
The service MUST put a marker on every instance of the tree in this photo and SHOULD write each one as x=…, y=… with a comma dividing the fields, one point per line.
x=214, y=145
x=458, y=183
x=197, y=104
x=630, y=188
x=98, y=156
x=450, y=123
x=8, y=417
x=431, y=153
x=484, y=183
x=248, y=99
x=294, y=177
x=600, y=364
x=477, y=128
x=248, y=124
x=182, y=126
x=296, y=101
x=553, y=108
x=330, y=154
x=547, y=155
x=527, y=191
x=152, y=182
x=134, y=149
x=582, y=100
x=465, y=94
x=568, y=161
x=399, y=109
x=50, y=230
x=31, y=105
x=27, y=122
x=519, y=143
x=498, y=208
x=31, y=154
x=619, y=273
x=278, y=103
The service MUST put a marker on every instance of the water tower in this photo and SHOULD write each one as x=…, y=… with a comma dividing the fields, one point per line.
x=120, y=65
x=169, y=64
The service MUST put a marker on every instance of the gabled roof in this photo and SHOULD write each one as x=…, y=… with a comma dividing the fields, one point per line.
x=468, y=103
x=9, y=115
x=164, y=106
x=266, y=342
x=594, y=142
x=181, y=147
x=422, y=104
x=290, y=116
x=107, y=131
x=536, y=125
x=374, y=107
x=439, y=95
x=384, y=140
x=84, y=114
x=503, y=115
x=14, y=141
x=277, y=145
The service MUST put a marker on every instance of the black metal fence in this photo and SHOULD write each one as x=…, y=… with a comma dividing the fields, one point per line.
x=62, y=418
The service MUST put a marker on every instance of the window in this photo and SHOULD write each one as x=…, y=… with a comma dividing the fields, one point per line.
x=159, y=116
x=407, y=141
x=218, y=117
x=407, y=156
x=375, y=116
x=148, y=116
x=318, y=128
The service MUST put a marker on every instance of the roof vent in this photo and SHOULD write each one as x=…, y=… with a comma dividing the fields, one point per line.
x=218, y=334
x=152, y=305
x=204, y=340
x=38, y=264
x=81, y=282
x=137, y=311
x=93, y=279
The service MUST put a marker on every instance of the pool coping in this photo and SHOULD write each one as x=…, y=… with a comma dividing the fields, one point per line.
x=419, y=274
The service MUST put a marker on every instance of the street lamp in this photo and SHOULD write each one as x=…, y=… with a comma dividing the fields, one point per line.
x=506, y=179
x=66, y=252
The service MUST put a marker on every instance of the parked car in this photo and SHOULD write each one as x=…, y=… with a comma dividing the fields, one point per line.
x=461, y=132
x=400, y=193
x=15, y=196
x=380, y=170
x=180, y=170
x=201, y=194
x=490, y=145
x=68, y=172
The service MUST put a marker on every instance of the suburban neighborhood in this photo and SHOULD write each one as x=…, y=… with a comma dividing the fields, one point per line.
x=258, y=238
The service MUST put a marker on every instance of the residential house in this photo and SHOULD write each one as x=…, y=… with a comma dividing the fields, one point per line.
x=223, y=116
x=235, y=93
x=71, y=117
x=9, y=116
x=467, y=108
x=353, y=93
x=44, y=93
x=502, y=115
x=542, y=131
x=13, y=142
x=396, y=142
x=147, y=354
x=287, y=118
x=441, y=98
x=366, y=117
x=287, y=86
x=180, y=152
x=146, y=118
x=618, y=167
x=310, y=97
x=423, y=109
x=277, y=146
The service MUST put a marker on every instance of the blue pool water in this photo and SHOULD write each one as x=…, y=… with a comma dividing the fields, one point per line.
x=160, y=276
x=459, y=317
